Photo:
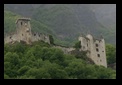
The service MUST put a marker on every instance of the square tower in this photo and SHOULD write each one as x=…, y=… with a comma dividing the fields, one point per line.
x=23, y=29
x=95, y=49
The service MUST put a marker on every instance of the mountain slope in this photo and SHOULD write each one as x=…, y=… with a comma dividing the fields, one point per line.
x=106, y=14
x=10, y=26
x=66, y=21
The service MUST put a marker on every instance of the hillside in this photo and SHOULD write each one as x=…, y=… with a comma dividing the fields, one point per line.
x=42, y=61
x=66, y=21
x=10, y=26
x=105, y=14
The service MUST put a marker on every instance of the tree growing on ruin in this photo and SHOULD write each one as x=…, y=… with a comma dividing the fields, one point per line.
x=51, y=39
x=77, y=45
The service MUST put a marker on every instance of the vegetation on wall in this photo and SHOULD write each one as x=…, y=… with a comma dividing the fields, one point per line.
x=77, y=45
x=111, y=53
x=51, y=39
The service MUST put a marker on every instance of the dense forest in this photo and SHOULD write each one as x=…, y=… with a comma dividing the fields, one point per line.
x=41, y=61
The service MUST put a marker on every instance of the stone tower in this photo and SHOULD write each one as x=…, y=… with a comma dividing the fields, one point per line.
x=23, y=30
x=95, y=49
x=24, y=34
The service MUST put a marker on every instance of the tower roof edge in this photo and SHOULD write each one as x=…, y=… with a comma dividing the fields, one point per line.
x=28, y=19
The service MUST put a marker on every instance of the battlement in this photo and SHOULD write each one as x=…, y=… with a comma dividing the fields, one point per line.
x=27, y=19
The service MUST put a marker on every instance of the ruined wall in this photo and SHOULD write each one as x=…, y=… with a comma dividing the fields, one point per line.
x=40, y=36
x=66, y=50
x=84, y=44
x=23, y=29
x=95, y=49
x=100, y=54
x=23, y=33
x=11, y=38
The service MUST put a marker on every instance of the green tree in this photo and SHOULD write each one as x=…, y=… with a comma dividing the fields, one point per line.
x=57, y=57
x=111, y=54
x=23, y=70
x=6, y=76
x=45, y=62
x=51, y=39
x=77, y=45
x=42, y=74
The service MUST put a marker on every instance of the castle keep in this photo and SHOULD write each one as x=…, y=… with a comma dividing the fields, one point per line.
x=95, y=47
x=24, y=34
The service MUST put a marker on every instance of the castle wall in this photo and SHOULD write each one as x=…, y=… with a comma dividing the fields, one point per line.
x=23, y=33
x=92, y=53
x=84, y=43
x=66, y=50
x=99, y=51
x=40, y=36
x=103, y=53
x=11, y=38
x=95, y=49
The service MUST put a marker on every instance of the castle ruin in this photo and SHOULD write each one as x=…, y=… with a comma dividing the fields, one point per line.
x=95, y=47
x=23, y=33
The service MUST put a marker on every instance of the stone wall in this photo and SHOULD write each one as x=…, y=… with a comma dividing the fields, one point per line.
x=66, y=50
x=11, y=38
x=95, y=49
x=40, y=36
x=23, y=33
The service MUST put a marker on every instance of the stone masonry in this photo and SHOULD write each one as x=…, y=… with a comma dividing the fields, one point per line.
x=95, y=49
x=23, y=33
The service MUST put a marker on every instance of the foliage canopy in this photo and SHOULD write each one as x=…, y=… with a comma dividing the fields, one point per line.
x=41, y=61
